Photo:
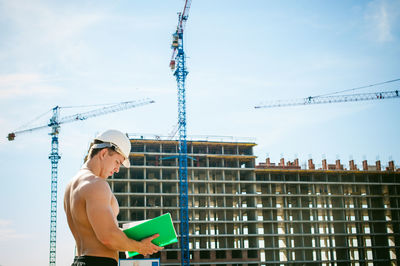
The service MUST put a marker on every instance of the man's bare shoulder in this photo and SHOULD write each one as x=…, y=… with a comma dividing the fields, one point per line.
x=93, y=186
x=86, y=183
x=95, y=183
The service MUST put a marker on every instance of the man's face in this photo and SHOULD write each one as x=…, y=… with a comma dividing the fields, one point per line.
x=111, y=162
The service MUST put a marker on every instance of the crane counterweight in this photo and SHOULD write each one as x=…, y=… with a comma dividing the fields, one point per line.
x=11, y=136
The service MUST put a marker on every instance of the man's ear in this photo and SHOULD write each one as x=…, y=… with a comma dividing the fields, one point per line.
x=102, y=153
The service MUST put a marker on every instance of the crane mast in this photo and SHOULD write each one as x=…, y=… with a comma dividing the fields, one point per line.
x=183, y=180
x=54, y=124
x=54, y=157
x=178, y=61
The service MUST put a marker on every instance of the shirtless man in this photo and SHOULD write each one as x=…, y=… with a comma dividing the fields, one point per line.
x=92, y=209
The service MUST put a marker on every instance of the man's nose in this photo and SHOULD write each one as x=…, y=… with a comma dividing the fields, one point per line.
x=117, y=168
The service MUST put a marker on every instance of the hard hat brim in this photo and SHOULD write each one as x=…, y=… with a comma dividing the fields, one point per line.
x=126, y=163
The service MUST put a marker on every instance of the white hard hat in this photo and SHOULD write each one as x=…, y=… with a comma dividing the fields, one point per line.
x=116, y=139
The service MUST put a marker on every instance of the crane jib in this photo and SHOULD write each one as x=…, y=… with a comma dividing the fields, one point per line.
x=333, y=99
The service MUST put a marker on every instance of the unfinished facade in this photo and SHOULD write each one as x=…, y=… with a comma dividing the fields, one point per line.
x=243, y=214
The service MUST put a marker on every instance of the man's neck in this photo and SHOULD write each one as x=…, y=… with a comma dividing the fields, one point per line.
x=94, y=166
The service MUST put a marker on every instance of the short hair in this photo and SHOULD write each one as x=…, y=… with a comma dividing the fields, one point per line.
x=92, y=152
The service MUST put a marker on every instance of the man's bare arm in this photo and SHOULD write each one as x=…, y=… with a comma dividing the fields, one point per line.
x=100, y=215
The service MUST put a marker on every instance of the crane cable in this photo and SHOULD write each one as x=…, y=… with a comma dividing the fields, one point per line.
x=363, y=87
x=90, y=105
x=62, y=107
x=33, y=120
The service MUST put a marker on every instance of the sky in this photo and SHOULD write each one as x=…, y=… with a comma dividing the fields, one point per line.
x=239, y=54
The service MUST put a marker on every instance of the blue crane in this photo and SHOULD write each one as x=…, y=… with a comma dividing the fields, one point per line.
x=54, y=124
x=177, y=63
x=332, y=99
x=336, y=97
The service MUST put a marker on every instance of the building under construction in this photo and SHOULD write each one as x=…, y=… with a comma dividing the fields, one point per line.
x=267, y=214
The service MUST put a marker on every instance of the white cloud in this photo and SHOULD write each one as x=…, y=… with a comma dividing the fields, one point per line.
x=8, y=233
x=26, y=84
x=50, y=24
x=382, y=16
x=47, y=37
x=382, y=24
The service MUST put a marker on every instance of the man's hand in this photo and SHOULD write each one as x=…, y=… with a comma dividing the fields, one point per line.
x=148, y=248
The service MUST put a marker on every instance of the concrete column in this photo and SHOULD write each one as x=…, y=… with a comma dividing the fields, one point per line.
x=213, y=255
x=324, y=165
x=391, y=166
x=352, y=165
x=244, y=255
x=378, y=165
x=337, y=165
x=228, y=255
x=196, y=255
x=365, y=165
x=163, y=255
x=310, y=164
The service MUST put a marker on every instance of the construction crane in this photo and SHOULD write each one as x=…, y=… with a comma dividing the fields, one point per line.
x=336, y=97
x=54, y=124
x=177, y=64
x=333, y=99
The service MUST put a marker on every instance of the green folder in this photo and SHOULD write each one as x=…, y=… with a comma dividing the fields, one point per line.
x=161, y=225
